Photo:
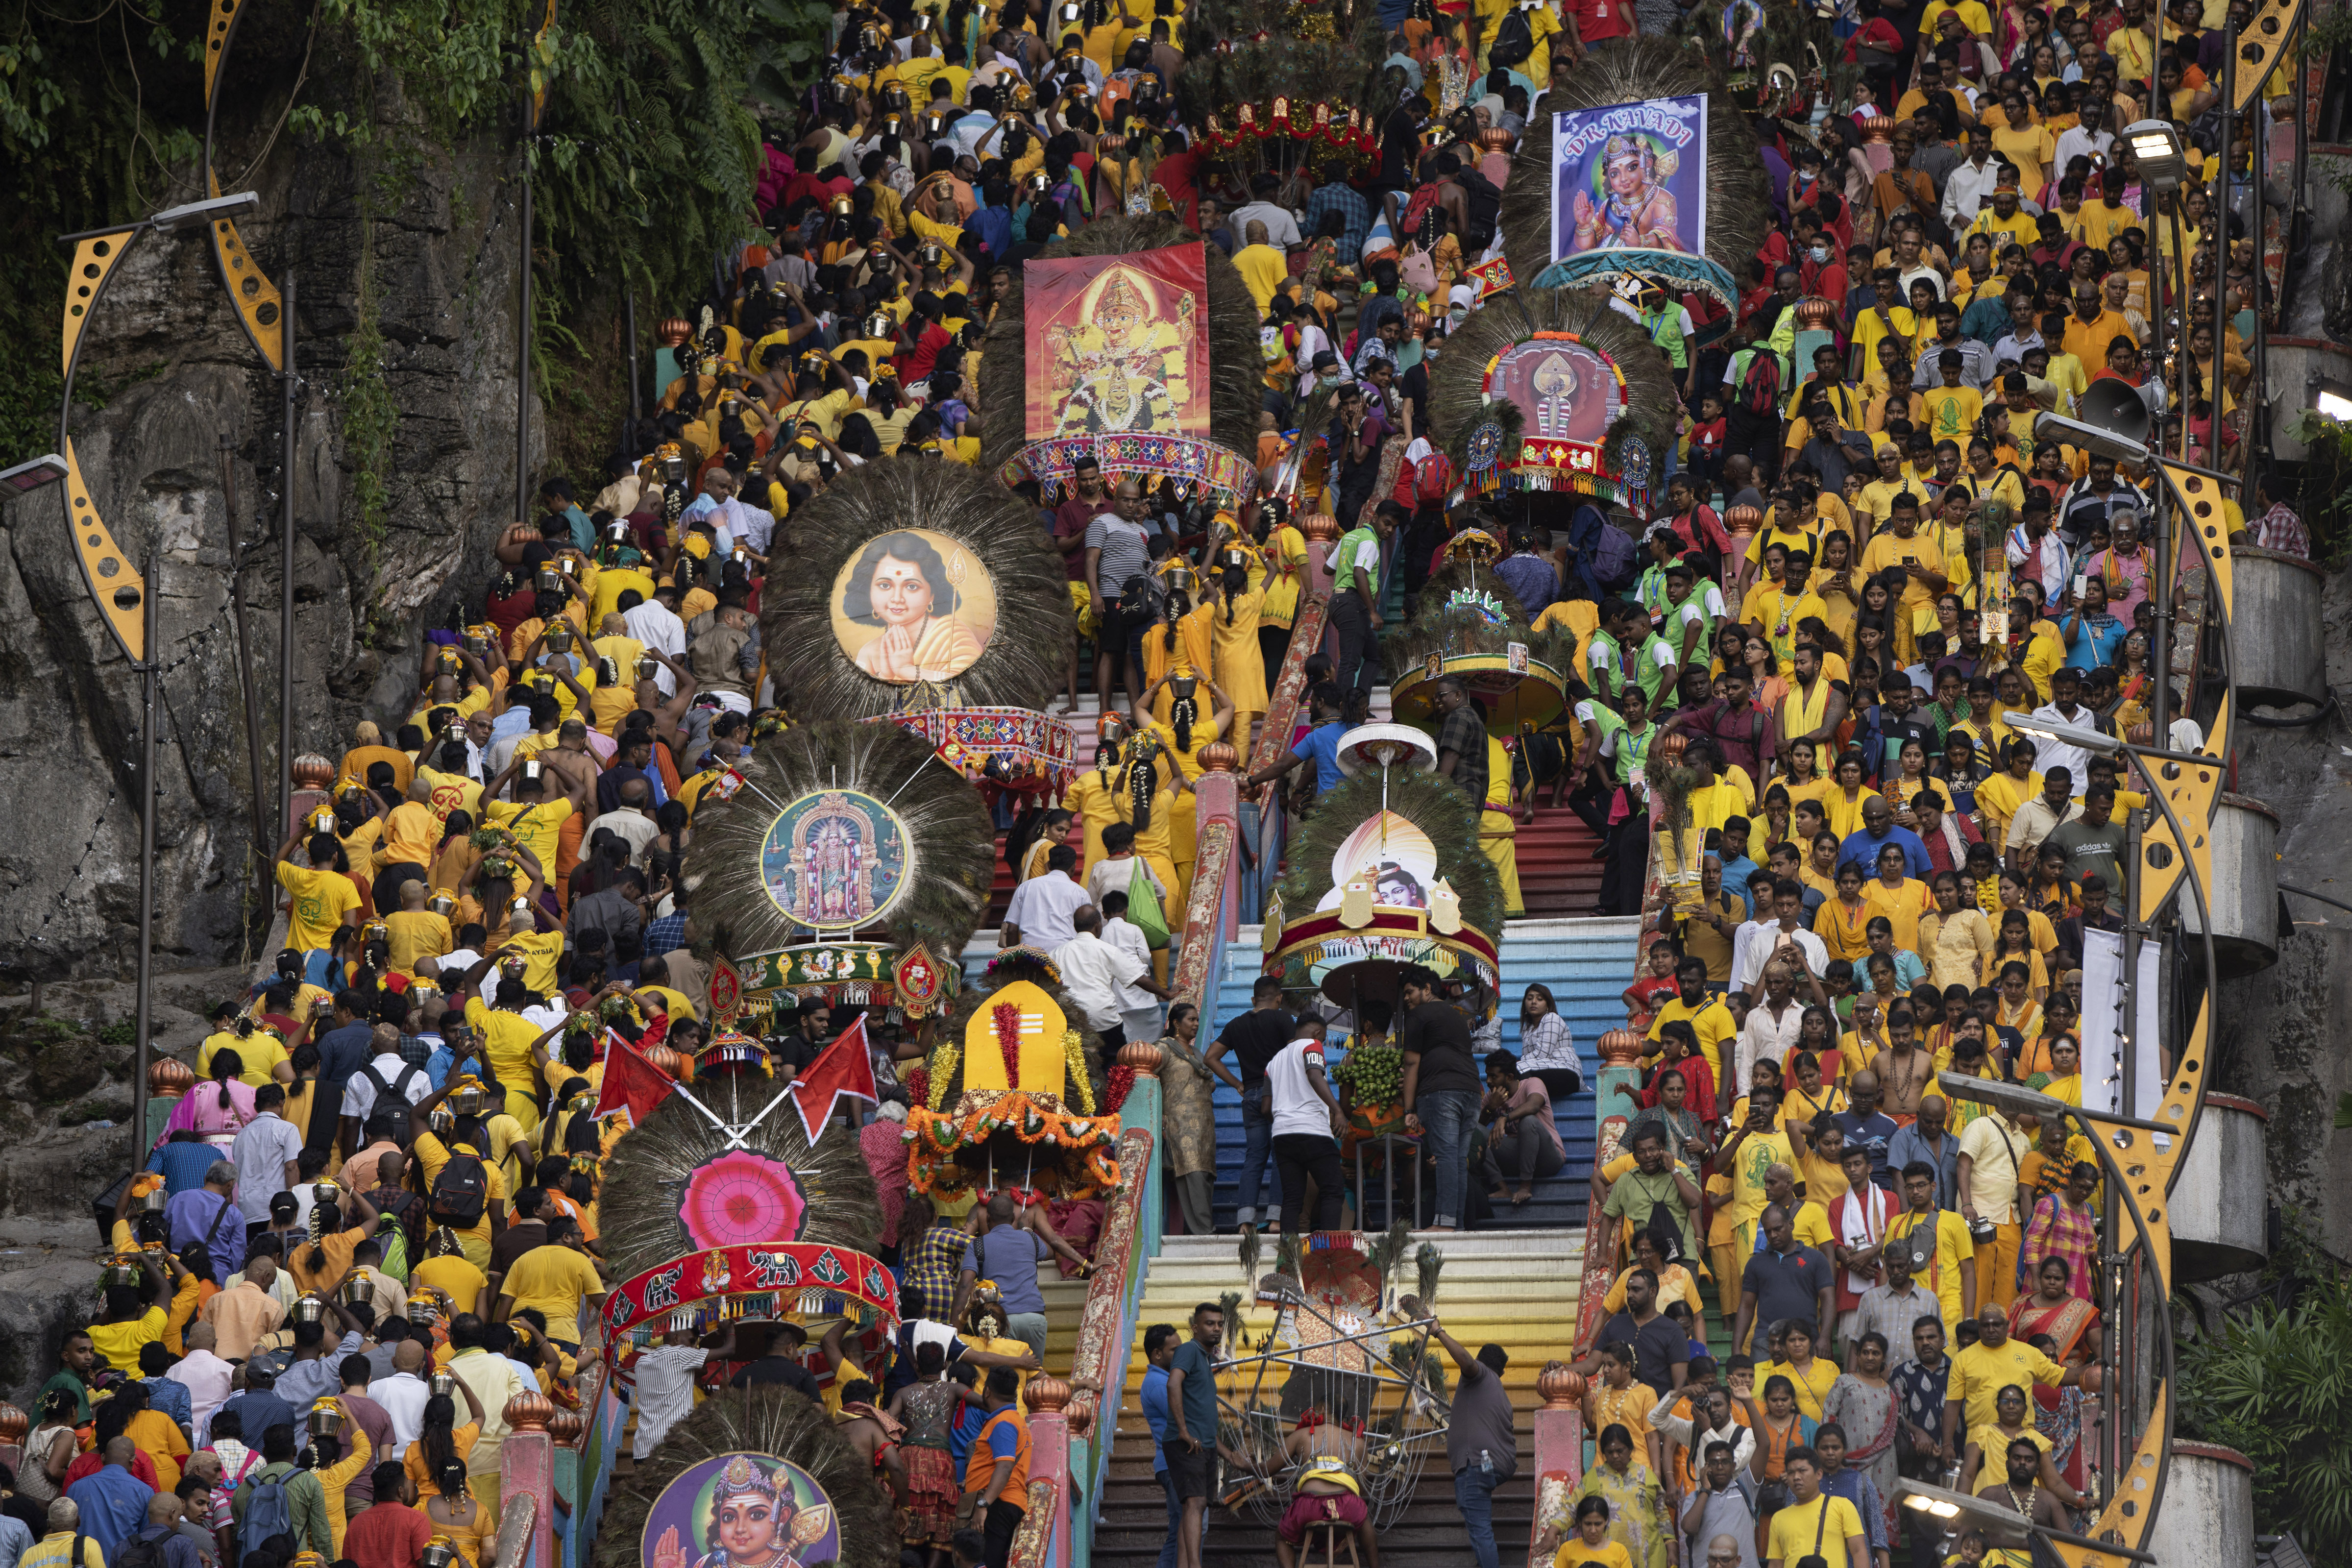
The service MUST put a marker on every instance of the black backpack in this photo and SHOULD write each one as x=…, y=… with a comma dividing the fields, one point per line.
x=461, y=1192
x=1484, y=202
x=140, y=1551
x=1514, y=41
x=387, y=1093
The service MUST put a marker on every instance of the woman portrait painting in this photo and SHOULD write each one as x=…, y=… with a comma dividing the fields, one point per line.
x=745, y=1510
x=914, y=605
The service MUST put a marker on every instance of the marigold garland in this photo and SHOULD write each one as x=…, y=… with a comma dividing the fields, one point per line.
x=1007, y=1019
x=945, y=1059
x=1087, y=1145
x=1074, y=1058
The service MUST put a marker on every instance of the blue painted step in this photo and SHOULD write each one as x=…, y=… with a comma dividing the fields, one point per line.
x=1585, y=963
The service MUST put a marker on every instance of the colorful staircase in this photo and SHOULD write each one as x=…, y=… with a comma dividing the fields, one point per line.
x=1517, y=1290
x=1585, y=963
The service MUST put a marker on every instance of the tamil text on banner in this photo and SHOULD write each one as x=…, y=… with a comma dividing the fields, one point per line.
x=1116, y=344
x=1631, y=176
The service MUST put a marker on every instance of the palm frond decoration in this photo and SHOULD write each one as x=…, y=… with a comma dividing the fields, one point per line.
x=1739, y=204
x=1458, y=402
x=1435, y=806
x=1448, y=629
x=1237, y=371
x=646, y=1173
x=1428, y=1261
x=1021, y=664
x=767, y=1420
x=952, y=846
x=1387, y=1249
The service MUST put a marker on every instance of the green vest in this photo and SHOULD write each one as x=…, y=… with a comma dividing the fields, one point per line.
x=1665, y=330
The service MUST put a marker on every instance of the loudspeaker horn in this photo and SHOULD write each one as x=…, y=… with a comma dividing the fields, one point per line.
x=2116, y=407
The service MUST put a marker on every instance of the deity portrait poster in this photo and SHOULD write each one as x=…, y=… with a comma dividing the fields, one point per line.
x=1117, y=344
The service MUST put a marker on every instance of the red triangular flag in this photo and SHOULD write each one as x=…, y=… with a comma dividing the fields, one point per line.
x=632, y=1084
x=843, y=1068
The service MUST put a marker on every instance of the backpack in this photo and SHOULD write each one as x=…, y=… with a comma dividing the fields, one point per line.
x=1484, y=202
x=1759, y=384
x=1613, y=556
x=386, y=1093
x=1515, y=40
x=267, y=1511
x=140, y=1551
x=461, y=1192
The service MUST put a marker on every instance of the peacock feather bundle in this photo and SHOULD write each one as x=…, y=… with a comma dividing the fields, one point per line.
x=1435, y=806
x=1387, y=1249
x=767, y=1420
x=1236, y=370
x=1428, y=1262
x=1457, y=399
x=640, y=1210
x=1449, y=629
x=1021, y=663
x=1631, y=70
x=950, y=844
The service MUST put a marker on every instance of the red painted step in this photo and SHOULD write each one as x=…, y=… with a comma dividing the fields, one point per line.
x=1558, y=875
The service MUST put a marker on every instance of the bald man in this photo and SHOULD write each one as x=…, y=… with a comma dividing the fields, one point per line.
x=403, y=1394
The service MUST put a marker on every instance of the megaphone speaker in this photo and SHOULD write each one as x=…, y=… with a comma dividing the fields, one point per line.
x=2116, y=407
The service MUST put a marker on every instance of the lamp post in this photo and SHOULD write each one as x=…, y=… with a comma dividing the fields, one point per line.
x=2116, y=1346
x=2164, y=169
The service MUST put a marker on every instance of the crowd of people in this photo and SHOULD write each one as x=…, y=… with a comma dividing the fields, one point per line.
x=1862, y=566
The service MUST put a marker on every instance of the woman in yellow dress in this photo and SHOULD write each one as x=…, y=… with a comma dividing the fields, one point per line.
x=1186, y=735
x=1902, y=899
x=1179, y=644
x=1239, y=662
x=1844, y=799
x=1286, y=568
x=902, y=586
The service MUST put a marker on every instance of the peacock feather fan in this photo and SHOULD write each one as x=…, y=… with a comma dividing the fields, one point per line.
x=1449, y=629
x=647, y=1173
x=1457, y=399
x=1739, y=204
x=1435, y=806
x=1428, y=1262
x=777, y=1424
x=1236, y=370
x=1021, y=661
x=950, y=847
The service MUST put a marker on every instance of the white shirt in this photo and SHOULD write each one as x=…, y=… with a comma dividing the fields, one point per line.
x=1297, y=1107
x=749, y=524
x=261, y=1154
x=359, y=1094
x=654, y=624
x=1966, y=188
x=1763, y=1036
x=1754, y=943
x=1118, y=876
x=2079, y=141
x=1861, y=1221
x=1042, y=907
x=664, y=1393
x=1281, y=228
x=2049, y=753
x=207, y=1378
x=1094, y=972
x=1129, y=939
x=403, y=1397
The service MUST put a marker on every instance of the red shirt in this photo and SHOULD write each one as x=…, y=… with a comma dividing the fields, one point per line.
x=388, y=1535
x=1599, y=19
x=927, y=351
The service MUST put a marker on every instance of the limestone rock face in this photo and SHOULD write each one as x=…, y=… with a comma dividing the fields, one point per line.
x=193, y=416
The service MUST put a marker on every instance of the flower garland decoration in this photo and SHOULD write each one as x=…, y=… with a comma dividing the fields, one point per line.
x=947, y=1059
x=918, y=1084
x=1006, y=1018
x=1074, y=1058
x=1122, y=1081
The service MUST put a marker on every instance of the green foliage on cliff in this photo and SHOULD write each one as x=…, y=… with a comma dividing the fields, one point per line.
x=645, y=160
x=2276, y=1383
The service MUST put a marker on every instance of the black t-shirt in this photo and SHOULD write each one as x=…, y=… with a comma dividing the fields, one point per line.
x=779, y=1369
x=1658, y=1347
x=1439, y=1033
x=1255, y=1039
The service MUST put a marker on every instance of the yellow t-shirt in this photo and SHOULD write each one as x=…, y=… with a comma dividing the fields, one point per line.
x=417, y=933
x=539, y=825
x=508, y=1037
x=1953, y=1247
x=1979, y=1373
x=610, y=584
x=1952, y=412
x=1575, y=1554
x=260, y=1052
x=452, y=791
x=540, y=950
x=555, y=1280
x=1710, y=1021
x=463, y=1282
x=1263, y=270
x=433, y=1154
x=1796, y=1527
x=321, y=899
x=118, y=1344
x=411, y=834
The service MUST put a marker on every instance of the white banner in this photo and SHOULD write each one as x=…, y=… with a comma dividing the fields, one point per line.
x=2102, y=1013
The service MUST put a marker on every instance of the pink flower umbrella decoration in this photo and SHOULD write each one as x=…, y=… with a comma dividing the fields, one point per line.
x=740, y=1200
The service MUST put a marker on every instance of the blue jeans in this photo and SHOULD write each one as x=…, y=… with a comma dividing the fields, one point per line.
x=1257, y=1147
x=1451, y=1118
x=1473, y=1491
x=1175, y=1519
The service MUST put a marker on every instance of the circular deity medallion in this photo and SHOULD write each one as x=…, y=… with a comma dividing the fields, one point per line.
x=835, y=860
x=914, y=605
